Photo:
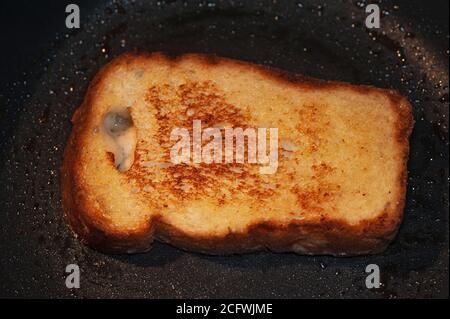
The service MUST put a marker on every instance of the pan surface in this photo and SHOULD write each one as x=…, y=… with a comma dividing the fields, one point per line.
x=44, y=81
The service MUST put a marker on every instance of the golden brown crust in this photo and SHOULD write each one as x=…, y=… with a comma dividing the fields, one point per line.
x=77, y=207
x=319, y=236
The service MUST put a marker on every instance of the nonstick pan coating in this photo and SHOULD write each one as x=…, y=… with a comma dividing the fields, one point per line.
x=324, y=39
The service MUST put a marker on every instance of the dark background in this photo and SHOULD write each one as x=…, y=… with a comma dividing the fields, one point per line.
x=44, y=73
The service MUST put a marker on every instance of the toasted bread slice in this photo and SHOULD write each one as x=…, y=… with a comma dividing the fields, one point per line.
x=339, y=187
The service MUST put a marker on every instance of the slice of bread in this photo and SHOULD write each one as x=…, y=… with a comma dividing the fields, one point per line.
x=339, y=187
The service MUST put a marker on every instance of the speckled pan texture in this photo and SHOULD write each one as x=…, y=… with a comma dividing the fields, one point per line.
x=44, y=81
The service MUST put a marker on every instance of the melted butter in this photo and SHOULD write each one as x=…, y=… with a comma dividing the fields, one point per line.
x=120, y=137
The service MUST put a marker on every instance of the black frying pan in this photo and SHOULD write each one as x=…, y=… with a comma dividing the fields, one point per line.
x=46, y=70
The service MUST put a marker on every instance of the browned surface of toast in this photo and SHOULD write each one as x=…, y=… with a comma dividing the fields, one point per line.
x=339, y=188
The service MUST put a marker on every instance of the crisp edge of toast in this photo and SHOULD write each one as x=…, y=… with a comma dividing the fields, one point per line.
x=342, y=239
